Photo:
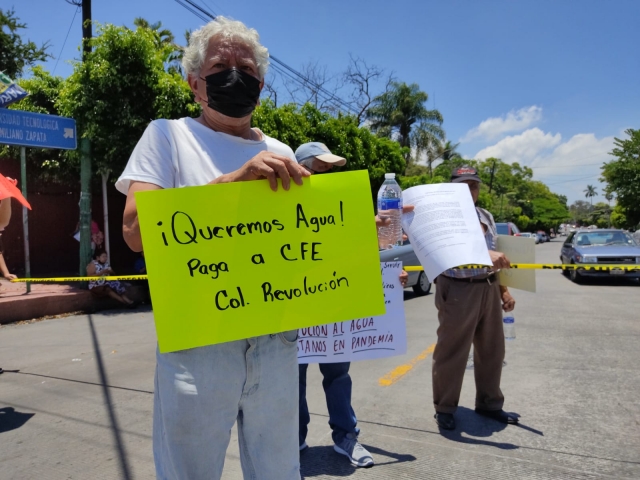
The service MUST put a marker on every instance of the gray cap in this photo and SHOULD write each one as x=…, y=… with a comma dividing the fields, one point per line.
x=320, y=151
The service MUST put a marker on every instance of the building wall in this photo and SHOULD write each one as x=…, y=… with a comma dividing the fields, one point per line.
x=52, y=222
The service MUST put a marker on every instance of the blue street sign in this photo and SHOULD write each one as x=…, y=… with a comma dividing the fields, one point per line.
x=28, y=129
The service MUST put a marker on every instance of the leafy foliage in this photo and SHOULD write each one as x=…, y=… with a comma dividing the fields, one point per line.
x=295, y=125
x=16, y=54
x=122, y=85
x=401, y=113
x=623, y=177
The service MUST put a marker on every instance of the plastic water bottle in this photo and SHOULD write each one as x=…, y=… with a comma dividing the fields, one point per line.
x=390, y=206
x=509, y=324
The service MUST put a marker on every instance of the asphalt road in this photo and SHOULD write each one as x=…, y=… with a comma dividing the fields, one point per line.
x=572, y=375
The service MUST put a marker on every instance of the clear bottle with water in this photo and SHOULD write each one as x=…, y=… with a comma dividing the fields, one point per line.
x=390, y=206
x=509, y=324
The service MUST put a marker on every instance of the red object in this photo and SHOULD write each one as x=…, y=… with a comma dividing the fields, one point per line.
x=8, y=189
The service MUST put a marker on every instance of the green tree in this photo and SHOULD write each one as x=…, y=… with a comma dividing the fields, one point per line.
x=590, y=192
x=122, y=85
x=295, y=125
x=16, y=54
x=400, y=113
x=623, y=176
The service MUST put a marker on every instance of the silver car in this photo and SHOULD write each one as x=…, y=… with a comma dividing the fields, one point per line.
x=405, y=254
x=600, y=246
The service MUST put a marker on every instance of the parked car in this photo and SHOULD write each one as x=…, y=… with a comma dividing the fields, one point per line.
x=405, y=254
x=543, y=236
x=507, y=228
x=604, y=246
x=528, y=235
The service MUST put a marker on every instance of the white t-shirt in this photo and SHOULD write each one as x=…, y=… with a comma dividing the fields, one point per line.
x=185, y=153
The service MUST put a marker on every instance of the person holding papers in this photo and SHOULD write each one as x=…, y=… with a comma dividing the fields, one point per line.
x=470, y=304
x=202, y=392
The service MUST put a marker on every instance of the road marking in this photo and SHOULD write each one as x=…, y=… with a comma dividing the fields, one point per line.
x=397, y=373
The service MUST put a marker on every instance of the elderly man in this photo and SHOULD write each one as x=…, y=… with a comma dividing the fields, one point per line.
x=200, y=393
x=317, y=158
x=470, y=304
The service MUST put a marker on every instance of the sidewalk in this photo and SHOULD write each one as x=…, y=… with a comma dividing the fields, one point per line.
x=48, y=299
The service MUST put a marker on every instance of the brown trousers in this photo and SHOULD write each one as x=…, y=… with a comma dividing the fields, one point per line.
x=469, y=313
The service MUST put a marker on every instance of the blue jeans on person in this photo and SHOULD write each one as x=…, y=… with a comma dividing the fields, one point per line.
x=337, y=390
x=200, y=393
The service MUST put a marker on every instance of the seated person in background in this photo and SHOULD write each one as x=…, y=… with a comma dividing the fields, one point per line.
x=99, y=267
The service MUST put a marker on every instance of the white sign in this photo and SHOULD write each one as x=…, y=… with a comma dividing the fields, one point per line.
x=362, y=338
x=444, y=228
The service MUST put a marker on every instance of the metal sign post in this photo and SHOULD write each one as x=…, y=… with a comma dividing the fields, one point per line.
x=25, y=216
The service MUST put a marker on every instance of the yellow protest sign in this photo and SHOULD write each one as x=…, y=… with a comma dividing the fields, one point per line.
x=237, y=260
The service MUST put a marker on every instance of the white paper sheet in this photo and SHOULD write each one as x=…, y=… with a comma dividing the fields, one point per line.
x=444, y=228
x=362, y=338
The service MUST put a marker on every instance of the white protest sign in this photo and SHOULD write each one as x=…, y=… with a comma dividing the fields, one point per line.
x=444, y=228
x=361, y=338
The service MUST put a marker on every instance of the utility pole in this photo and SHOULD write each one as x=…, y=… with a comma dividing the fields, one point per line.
x=493, y=169
x=85, y=151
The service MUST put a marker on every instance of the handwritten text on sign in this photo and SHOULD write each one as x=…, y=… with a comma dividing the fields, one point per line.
x=362, y=338
x=237, y=260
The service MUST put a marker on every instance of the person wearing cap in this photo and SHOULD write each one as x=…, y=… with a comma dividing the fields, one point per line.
x=317, y=158
x=201, y=393
x=470, y=304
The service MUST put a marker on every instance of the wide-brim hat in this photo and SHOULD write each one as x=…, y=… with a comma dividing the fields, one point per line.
x=462, y=174
x=319, y=151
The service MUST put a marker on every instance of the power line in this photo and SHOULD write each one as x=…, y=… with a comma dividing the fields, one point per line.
x=65, y=39
x=567, y=165
x=574, y=180
x=280, y=66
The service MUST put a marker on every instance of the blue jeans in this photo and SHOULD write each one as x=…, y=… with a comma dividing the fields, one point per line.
x=337, y=391
x=200, y=394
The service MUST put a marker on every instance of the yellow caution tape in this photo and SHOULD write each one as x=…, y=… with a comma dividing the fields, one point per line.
x=522, y=266
x=552, y=266
x=123, y=278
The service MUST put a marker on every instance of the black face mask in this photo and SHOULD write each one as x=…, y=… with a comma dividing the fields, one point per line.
x=232, y=92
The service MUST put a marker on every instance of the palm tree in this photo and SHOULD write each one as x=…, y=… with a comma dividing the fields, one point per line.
x=164, y=40
x=400, y=113
x=609, y=197
x=589, y=193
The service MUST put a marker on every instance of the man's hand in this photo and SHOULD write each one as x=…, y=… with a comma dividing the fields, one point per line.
x=382, y=219
x=508, y=302
x=404, y=278
x=10, y=276
x=499, y=260
x=267, y=165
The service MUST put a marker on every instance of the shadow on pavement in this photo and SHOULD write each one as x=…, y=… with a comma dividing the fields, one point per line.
x=11, y=420
x=324, y=460
x=470, y=423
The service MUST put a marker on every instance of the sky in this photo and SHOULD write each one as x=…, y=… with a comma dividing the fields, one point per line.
x=545, y=83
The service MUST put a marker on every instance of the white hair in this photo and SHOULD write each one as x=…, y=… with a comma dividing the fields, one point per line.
x=195, y=52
